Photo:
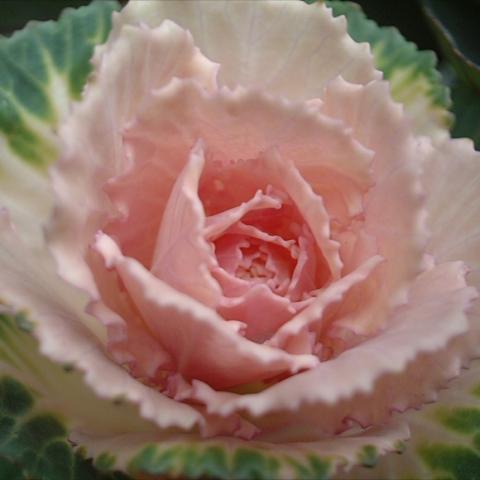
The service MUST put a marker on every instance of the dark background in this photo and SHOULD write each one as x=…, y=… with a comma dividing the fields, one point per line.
x=406, y=15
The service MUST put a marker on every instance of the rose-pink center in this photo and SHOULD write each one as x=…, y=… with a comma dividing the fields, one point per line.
x=287, y=267
x=268, y=264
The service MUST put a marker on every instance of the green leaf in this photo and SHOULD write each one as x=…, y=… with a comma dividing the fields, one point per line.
x=368, y=456
x=42, y=70
x=33, y=442
x=415, y=82
x=191, y=457
x=10, y=470
x=226, y=459
x=455, y=452
x=455, y=25
x=34, y=426
x=458, y=462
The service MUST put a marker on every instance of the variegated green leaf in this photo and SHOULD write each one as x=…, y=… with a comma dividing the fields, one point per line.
x=49, y=405
x=415, y=82
x=42, y=69
x=34, y=440
x=191, y=457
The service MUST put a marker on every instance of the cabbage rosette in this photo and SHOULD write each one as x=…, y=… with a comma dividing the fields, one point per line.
x=246, y=245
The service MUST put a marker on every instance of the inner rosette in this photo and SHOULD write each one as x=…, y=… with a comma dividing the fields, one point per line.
x=250, y=227
x=267, y=260
x=249, y=254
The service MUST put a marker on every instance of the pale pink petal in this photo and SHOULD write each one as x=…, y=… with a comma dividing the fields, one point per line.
x=356, y=245
x=302, y=343
x=194, y=335
x=69, y=336
x=128, y=339
x=236, y=250
x=280, y=261
x=304, y=276
x=130, y=343
x=393, y=208
x=238, y=126
x=315, y=312
x=234, y=425
x=215, y=225
x=451, y=178
x=228, y=250
x=287, y=48
x=343, y=197
x=420, y=350
x=309, y=204
x=261, y=310
x=93, y=150
x=251, y=135
x=182, y=256
x=241, y=228
x=232, y=286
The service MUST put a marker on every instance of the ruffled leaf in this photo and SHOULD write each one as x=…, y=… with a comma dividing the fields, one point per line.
x=445, y=435
x=69, y=336
x=222, y=457
x=93, y=143
x=193, y=334
x=445, y=438
x=36, y=412
x=273, y=58
x=61, y=387
x=425, y=340
x=415, y=82
x=395, y=200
